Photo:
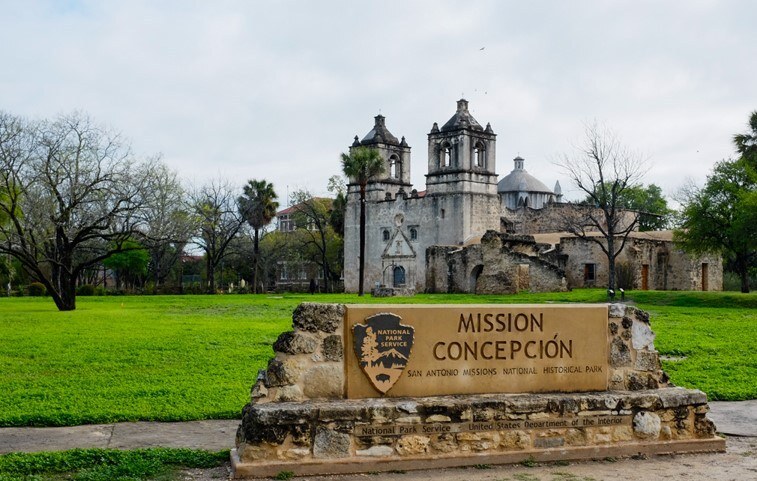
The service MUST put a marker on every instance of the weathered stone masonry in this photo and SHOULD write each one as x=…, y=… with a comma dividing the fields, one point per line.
x=298, y=419
x=463, y=200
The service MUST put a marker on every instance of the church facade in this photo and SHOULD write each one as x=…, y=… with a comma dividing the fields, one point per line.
x=466, y=232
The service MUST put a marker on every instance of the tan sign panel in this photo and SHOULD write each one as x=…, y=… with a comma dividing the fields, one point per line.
x=429, y=350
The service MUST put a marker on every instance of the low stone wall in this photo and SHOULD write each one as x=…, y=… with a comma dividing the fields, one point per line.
x=299, y=420
x=384, y=291
x=396, y=429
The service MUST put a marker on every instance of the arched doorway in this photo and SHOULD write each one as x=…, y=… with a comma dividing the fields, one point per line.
x=474, y=278
x=399, y=276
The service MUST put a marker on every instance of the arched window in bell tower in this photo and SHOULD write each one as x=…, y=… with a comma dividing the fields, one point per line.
x=479, y=155
x=395, y=167
x=446, y=155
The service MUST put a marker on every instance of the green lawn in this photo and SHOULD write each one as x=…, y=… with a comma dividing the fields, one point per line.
x=195, y=357
x=105, y=464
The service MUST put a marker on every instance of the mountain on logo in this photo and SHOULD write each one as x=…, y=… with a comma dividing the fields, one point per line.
x=390, y=358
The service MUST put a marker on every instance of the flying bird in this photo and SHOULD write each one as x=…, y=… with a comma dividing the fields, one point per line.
x=482, y=48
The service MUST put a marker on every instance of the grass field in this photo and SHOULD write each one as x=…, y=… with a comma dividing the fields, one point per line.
x=105, y=464
x=195, y=357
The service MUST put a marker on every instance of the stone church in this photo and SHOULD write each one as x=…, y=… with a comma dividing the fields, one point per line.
x=469, y=232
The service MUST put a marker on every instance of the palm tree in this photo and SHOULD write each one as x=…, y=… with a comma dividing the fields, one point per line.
x=360, y=166
x=746, y=144
x=258, y=206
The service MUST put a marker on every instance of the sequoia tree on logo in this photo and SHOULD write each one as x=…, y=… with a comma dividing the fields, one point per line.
x=382, y=346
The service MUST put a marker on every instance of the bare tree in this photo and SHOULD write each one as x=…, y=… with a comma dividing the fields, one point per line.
x=604, y=170
x=311, y=216
x=71, y=192
x=169, y=223
x=219, y=221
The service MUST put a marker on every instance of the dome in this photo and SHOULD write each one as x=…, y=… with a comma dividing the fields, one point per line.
x=521, y=181
x=379, y=134
x=462, y=119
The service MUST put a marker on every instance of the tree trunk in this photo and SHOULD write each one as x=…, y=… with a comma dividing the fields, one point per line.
x=742, y=266
x=611, y=255
x=68, y=295
x=324, y=260
x=64, y=290
x=211, y=276
x=362, y=241
x=745, y=282
x=611, y=273
x=255, y=263
x=181, y=277
x=156, y=276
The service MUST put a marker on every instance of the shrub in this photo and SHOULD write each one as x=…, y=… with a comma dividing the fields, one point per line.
x=169, y=289
x=36, y=289
x=732, y=281
x=85, y=290
x=624, y=275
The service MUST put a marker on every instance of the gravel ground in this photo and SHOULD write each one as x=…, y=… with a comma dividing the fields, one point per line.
x=739, y=463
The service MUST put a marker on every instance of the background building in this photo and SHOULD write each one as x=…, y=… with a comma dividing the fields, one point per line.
x=466, y=232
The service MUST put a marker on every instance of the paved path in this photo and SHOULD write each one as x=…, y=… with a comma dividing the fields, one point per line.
x=211, y=435
x=733, y=418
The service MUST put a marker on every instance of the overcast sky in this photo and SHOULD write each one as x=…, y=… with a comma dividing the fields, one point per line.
x=277, y=90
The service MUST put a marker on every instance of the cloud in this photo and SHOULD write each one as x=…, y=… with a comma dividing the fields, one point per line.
x=277, y=90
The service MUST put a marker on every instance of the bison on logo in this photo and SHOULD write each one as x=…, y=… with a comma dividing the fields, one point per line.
x=382, y=346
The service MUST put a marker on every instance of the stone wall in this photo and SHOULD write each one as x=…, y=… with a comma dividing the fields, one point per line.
x=309, y=360
x=667, y=266
x=522, y=424
x=500, y=264
x=298, y=419
x=553, y=217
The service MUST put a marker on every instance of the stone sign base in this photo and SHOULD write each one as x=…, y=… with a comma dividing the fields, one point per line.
x=348, y=436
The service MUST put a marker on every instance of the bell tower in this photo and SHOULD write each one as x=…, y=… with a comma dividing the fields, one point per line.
x=396, y=156
x=461, y=155
x=462, y=180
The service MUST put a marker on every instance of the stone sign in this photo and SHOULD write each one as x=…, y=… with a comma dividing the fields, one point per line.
x=472, y=349
x=393, y=387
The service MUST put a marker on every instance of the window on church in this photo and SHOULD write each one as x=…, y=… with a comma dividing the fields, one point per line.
x=413, y=233
x=446, y=159
x=479, y=155
x=385, y=235
x=590, y=272
x=395, y=170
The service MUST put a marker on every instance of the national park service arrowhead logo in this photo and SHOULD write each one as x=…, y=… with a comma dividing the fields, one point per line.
x=382, y=346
